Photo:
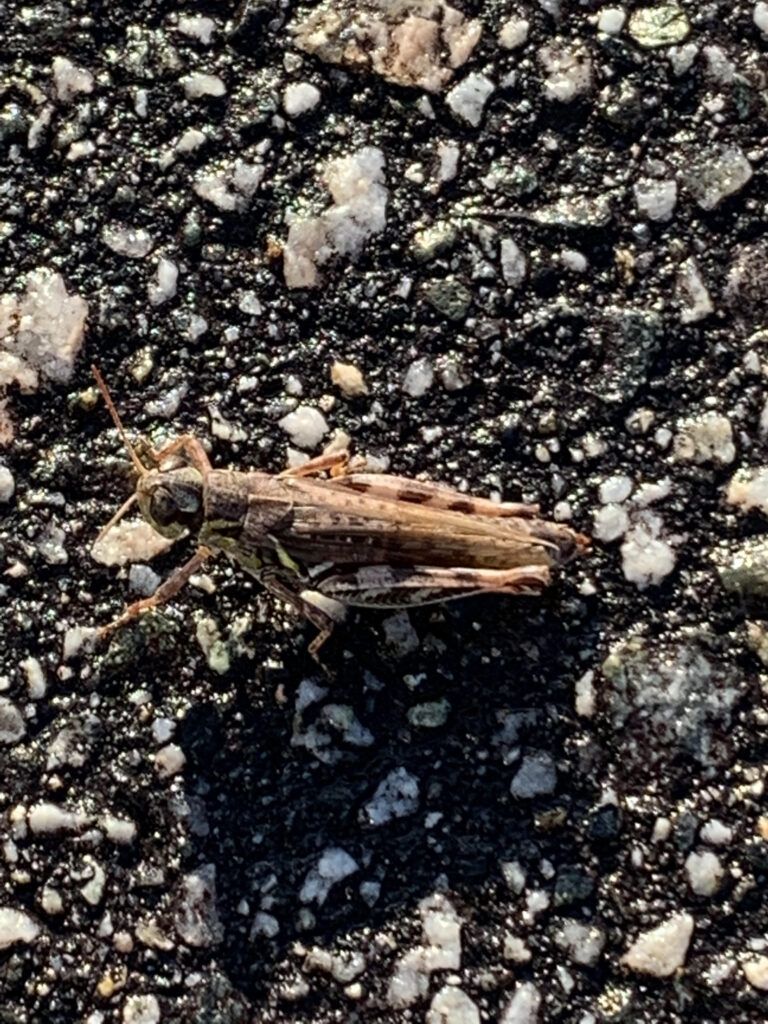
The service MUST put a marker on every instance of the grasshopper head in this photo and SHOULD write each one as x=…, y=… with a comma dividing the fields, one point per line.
x=171, y=500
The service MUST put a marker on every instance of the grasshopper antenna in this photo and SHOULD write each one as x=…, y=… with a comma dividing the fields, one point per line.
x=139, y=465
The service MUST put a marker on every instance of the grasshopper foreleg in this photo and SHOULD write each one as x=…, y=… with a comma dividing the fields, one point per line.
x=189, y=446
x=168, y=589
x=335, y=463
x=377, y=586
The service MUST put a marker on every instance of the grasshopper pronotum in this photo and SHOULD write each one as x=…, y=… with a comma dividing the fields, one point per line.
x=359, y=539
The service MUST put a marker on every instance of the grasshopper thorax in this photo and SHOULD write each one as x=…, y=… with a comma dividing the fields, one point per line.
x=171, y=500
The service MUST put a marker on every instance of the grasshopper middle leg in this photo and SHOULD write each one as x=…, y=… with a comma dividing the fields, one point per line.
x=288, y=590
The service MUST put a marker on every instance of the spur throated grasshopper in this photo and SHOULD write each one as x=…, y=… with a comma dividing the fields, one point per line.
x=359, y=539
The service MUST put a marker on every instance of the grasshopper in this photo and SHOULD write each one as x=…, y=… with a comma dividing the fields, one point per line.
x=322, y=536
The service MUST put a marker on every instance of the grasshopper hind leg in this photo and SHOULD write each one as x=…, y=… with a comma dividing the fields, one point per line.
x=379, y=586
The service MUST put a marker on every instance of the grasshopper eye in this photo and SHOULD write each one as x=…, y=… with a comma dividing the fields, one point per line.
x=163, y=508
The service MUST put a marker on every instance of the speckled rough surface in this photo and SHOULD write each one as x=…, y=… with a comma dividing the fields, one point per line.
x=552, y=278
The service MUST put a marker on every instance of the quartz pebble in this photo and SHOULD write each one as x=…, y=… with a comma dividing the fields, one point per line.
x=514, y=33
x=440, y=950
x=467, y=99
x=357, y=186
x=663, y=949
x=141, y=1010
x=646, y=557
x=536, y=776
x=306, y=426
x=169, y=760
x=524, y=1006
x=129, y=541
x=16, y=927
x=396, y=796
x=451, y=1005
x=12, y=727
x=568, y=73
x=299, y=98
x=333, y=867
x=69, y=80
x=198, y=84
x=197, y=27
x=7, y=485
x=756, y=972
x=656, y=199
x=704, y=871
x=48, y=818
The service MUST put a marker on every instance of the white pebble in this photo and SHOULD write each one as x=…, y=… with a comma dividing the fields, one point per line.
x=662, y=950
x=656, y=200
x=300, y=97
x=143, y=581
x=568, y=73
x=396, y=796
x=611, y=20
x=70, y=80
x=164, y=285
x=646, y=557
x=760, y=16
x=523, y=1007
x=451, y=1005
x=199, y=84
x=716, y=833
x=705, y=872
x=141, y=1009
x=121, y=831
x=514, y=263
x=586, y=697
x=419, y=378
x=707, y=438
x=7, y=485
x=574, y=260
x=333, y=866
x=46, y=818
x=16, y=926
x=468, y=97
x=615, y=489
x=93, y=890
x=169, y=760
x=133, y=541
x=514, y=33
x=134, y=243
x=197, y=27
x=12, y=727
x=36, y=682
x=611, y=522
x=756, y=969
x=189, y=141
x=306, y=426
x=582, y=942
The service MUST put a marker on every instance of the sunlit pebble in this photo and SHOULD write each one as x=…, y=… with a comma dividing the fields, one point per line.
x=299, y=98
x=16, y=927
x=348, y=379
x=199, y=84
x=197, y=27
x=169, y=760
x=7, y=485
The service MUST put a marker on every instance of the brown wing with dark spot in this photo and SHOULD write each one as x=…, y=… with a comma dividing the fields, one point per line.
x=328, y=524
